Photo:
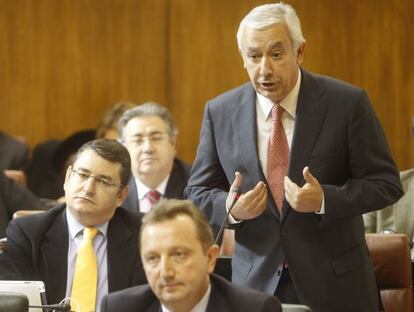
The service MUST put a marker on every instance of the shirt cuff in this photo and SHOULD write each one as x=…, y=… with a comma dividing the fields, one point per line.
x=231, y=219
x=322, y=210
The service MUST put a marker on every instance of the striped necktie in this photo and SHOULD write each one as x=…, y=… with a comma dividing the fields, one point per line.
x=153, y=197
x=277, y=157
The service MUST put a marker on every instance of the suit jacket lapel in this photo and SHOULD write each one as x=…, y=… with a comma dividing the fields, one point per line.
x=121, y=259
x=244, y=123
x=310, y=113
x=217, y=301
x=55, y=257
x=131, y=201
x=175, y=183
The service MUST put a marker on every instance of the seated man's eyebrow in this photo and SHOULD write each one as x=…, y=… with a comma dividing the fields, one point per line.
x=104, y=176
x=100, y=176
x=82, y=169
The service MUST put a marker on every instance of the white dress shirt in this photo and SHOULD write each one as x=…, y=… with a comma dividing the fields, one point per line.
x=142, y=190
x=264, y=120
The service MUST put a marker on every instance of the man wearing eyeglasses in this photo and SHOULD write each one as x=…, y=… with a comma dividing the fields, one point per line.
x=56, y=246
x=149, y=133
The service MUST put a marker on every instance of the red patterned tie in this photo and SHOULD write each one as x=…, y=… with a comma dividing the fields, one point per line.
x=277, y=157
x=153, y=197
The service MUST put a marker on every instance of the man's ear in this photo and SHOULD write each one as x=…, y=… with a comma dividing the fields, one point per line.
x=122, y=195
x=212, y=254
x=173, y=140
x=67, y=176
x=301, y=53
x=244, y=58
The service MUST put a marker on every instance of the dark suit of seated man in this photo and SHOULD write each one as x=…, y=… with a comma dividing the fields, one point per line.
x=47, y=246
x=179, y=255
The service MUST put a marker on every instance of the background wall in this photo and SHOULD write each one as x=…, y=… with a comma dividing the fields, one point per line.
x=63, y=62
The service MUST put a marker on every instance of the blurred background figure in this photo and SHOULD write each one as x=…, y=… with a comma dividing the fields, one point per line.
x=50, y=159
x=108, y=125
x=14, y=157
x=399, y=217
x=149, y=133
x=14, y=197
x=14, y=153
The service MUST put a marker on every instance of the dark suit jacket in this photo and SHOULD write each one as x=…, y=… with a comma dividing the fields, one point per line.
x=175, y=186
x=339, y=137
x=13, y=153
x=37, y=249
x=14, y=197
x=224, y=297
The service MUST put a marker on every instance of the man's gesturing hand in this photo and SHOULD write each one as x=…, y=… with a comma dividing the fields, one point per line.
x=307, y=198
x=250, y=204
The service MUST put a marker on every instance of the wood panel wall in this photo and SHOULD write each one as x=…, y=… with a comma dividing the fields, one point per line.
x=63, y=62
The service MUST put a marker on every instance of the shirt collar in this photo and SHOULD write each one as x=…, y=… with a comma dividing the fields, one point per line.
x=201, y=306
x=289, y=103
x=143, y=189
x=74, y=227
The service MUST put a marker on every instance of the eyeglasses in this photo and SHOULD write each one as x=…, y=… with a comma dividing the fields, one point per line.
x=83, y=177
x=154, y=138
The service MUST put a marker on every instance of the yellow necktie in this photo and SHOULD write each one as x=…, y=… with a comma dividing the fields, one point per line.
x=85, y=279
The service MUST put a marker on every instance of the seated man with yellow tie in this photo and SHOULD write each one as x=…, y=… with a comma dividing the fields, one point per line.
x=87, y=247
x=150, y=134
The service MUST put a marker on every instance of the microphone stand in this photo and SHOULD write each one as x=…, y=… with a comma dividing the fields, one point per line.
x=235, y=196
x=65, y=307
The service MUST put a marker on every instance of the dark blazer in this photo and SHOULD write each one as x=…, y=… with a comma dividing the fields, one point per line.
x=176, y=184
x=37, y=249
x=224, y=297
x=14, y=197
x=13, y=153
x=339, y=137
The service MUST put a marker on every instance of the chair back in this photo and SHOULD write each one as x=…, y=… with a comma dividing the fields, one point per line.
x=295, y=308
x=23, y=213
x=13, y=302
x=391, y=258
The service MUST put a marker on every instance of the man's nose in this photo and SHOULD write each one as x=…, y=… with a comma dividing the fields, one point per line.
x=90, y=185
x=147, y=145
x=166, y=268
x=266, y=67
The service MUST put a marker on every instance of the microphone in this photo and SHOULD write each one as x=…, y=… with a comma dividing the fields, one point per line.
x=63, y=306
x=236, y=192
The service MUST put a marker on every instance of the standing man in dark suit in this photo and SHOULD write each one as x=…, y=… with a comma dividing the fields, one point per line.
x=149, y=133
x=45, y=246
x=299, y=232
x=179, y=255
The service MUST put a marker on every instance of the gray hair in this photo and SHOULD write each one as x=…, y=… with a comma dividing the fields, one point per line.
x=148, y=109
x=267, y=15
